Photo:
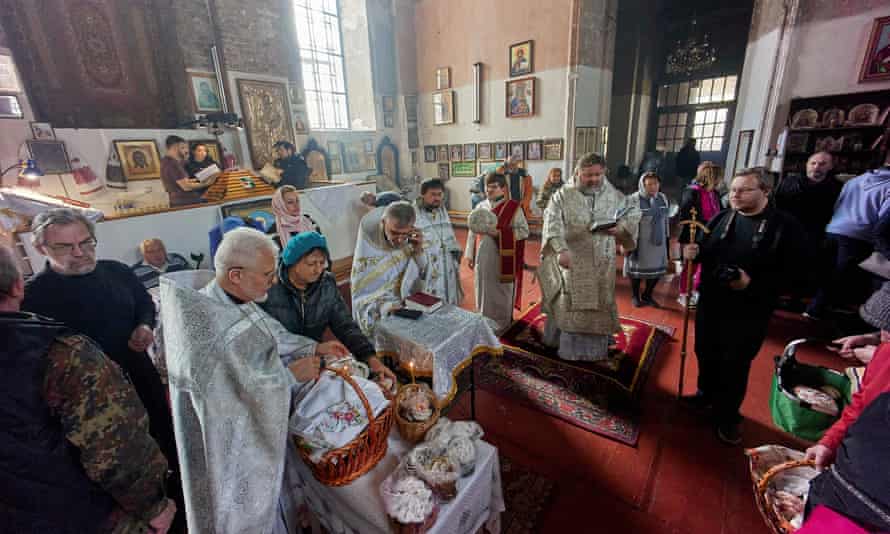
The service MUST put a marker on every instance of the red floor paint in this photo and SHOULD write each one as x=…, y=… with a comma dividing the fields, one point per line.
x=679, y=479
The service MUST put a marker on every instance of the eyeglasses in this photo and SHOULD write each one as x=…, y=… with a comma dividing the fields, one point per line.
x=87, y=245
x=268, y=276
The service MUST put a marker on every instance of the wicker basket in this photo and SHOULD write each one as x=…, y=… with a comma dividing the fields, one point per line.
x=413, y=431
x=341, y=466
x=776, y=523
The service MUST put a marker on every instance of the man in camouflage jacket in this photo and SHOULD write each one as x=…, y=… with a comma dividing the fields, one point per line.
x=75, y=452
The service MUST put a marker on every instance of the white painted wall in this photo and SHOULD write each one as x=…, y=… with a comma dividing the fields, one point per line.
x=824, y=56
x=549, y=121
x=336, y=208
x=753, y=92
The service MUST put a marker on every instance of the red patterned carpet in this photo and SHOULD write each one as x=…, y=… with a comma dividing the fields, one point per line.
x=594, y=397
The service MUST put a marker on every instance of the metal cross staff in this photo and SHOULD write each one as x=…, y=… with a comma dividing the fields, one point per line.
x=694, y=225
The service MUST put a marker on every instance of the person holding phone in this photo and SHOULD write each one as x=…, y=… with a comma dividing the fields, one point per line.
x=389, y=263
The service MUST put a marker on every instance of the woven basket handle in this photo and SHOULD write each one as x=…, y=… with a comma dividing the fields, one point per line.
x=343, y=373
x=778, y=468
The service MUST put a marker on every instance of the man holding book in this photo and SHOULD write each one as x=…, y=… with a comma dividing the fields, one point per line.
x=582, y=224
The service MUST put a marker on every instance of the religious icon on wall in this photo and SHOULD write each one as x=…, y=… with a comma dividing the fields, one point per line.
x=455, y=153
x=486, y=167
x=469, y=152
x=443, y=107
x=389, y=104
x=485, y=151
x=265, y=112
x=500, y=151
x=139, y=159
x=300, y=125
x=443, y=78
x=876, y=65
x=369, y=146
x=442, y=153
x=411, y=108
x=521, y=58
x=413, y=137
x=429, y=154
x=444, y=171
x=50, y=156
x=42, y=130
x=533, y=151
x=296, y=95
x=205, y=92
x=518, y=149
x=520, y=97
x=553, y=149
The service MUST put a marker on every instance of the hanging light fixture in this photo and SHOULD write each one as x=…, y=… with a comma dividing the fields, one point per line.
x=691, y=55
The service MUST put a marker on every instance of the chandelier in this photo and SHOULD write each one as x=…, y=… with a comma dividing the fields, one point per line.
x=691, y=55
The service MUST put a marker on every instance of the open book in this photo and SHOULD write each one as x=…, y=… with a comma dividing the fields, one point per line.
x=207, y=173
x=611, y=222
x=270, y=173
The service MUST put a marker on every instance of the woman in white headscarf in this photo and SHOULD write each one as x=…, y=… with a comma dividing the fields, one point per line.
x=649, y=260
x=289, y=220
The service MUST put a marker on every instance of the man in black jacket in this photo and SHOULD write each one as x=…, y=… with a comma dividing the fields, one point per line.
x=104, y=300
x=294, y=170
x=307, y=302
x=751, y=253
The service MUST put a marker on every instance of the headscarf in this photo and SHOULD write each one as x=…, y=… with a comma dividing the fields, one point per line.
x=655, y=207
x=285, y=223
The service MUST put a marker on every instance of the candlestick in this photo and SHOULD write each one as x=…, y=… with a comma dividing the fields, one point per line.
x=411, y=367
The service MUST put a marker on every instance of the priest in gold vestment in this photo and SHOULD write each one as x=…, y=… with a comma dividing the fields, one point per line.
x=577, y=272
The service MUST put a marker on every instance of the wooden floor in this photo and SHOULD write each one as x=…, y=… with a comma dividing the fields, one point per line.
x=679, y=479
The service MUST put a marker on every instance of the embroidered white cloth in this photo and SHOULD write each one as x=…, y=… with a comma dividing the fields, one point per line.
x=330, y=414
x=441, y=343
x=358, y=507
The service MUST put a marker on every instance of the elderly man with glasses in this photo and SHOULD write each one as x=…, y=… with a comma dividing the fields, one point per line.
x=104, y=300
x=235, y=374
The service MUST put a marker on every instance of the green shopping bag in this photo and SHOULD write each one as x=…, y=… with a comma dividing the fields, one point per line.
x=794, y=415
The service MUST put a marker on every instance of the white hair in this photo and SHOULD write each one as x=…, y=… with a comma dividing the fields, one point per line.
x=240, y=248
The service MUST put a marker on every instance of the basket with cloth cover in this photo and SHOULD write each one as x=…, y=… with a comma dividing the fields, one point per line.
x=341, y=465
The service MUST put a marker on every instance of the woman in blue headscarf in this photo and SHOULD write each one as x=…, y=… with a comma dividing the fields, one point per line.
x=649, y=260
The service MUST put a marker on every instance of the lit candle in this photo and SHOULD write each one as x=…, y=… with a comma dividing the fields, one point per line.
x=411, y=367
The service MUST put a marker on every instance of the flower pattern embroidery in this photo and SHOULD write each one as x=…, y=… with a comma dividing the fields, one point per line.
x=341, y=416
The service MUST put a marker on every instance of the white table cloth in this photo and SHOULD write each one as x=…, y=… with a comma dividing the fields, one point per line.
x=358, y=507
x=440, y=344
